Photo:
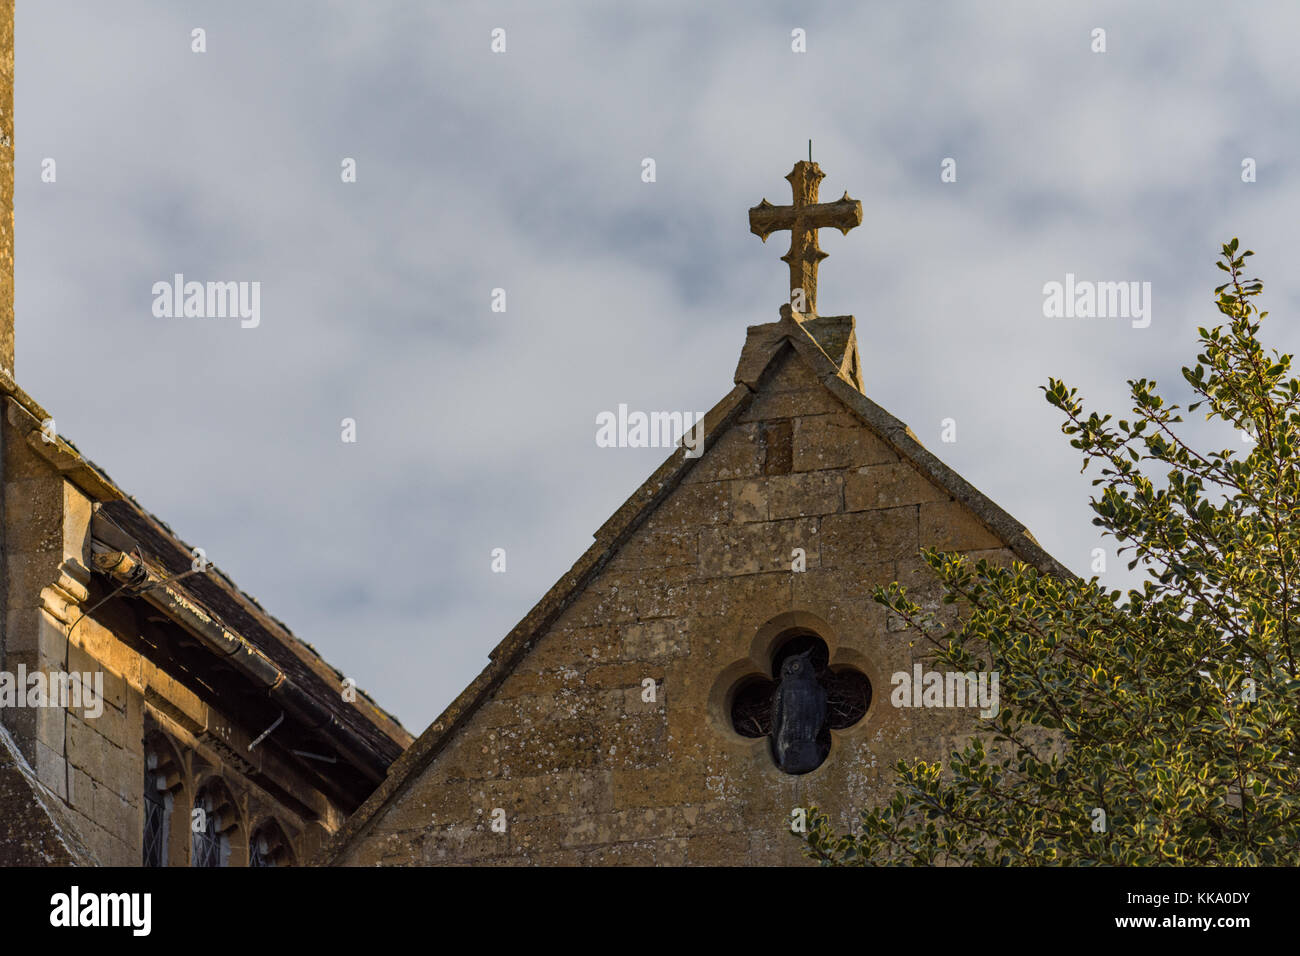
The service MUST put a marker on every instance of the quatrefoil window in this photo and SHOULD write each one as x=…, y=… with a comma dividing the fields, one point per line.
x=801, y=704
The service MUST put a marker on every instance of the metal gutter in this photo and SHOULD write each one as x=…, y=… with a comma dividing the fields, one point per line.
x=139, y=580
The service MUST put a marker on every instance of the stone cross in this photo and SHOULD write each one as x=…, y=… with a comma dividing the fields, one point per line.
x=803, y=219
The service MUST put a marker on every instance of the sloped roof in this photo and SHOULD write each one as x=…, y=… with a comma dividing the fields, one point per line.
x=765, y=343
x=136, y=528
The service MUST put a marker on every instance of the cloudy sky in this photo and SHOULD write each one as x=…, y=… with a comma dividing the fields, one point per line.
x=522, y=170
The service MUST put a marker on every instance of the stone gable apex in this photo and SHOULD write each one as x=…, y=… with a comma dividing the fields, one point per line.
x=821, y=352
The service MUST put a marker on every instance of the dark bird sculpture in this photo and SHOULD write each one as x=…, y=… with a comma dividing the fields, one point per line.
x=798, y=713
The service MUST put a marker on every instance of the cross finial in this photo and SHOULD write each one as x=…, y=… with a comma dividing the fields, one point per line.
x=803, y=219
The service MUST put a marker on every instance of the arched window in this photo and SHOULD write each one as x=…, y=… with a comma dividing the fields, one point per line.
x=156, y=812
x=162, y=779
x=269, y=846
x=211, y=823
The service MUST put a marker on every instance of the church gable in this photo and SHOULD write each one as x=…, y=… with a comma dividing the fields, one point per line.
x=629, y=718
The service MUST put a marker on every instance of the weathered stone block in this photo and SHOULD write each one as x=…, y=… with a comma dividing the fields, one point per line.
x=749, y=500
x=800, y=495
x=114, y=814
x=659, y=787
x=601, y=605
x=776, y=439
x=718, y=849
x=462, y=844
x=114, y=685
x=657, y=550
x=557, y=858
x=950, y=526
x=837, y=441
x=692, y=505
x=621, y=854
x=758, y=547
x=771, y=405
x=33, y=511
x=528, y=681
x=575, y=647
x=844, y=598
x=90, y=751
x=22, y=630
x=744, y=601
x=31, y=571
x=452, y=804
x=81, y=792
x=609, y=676
x=869, y=537
x=737, y=454
x=664, y=599
x=888, y=486
x=51, y=769
x=654, y=640
x=635, y=742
